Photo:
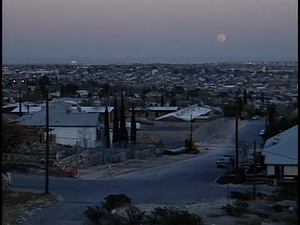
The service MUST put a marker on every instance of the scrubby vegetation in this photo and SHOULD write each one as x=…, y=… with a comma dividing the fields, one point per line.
x=237, y=209
x=134, y=216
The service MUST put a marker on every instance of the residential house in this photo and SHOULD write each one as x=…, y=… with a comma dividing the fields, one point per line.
x=68, y=126
x=152, y=112
x=281, y=155
x=193, y=112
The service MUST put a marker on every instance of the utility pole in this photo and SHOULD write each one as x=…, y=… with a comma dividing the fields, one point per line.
x=191, y=141
x=191, y=126
x=20, y=102
x=266, y=121
x=47, y=144
x=254, y=171
x=237, y=136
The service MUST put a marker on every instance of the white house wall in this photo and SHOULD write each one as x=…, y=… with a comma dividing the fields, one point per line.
x=70, y=135
x=270, y=170
x=290, y=170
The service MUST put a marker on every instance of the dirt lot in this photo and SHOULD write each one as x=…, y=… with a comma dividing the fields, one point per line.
x=18, y=206
x=110, y=170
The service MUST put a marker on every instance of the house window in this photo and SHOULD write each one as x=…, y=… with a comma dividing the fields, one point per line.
x=156, y=114
x=146, y=114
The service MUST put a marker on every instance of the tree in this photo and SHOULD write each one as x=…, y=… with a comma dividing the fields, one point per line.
x=272, y=114
x=133, y=126
x=116, y=130
x=173, y=99
x=62, y=91
x=245, y=147
x=71, y=89
x=162, y=100
x=106, y=125
x=123, y=130
x=84, y=134
x=245, y=97
x=241, y=106
x=43, y=82
x=13, y=136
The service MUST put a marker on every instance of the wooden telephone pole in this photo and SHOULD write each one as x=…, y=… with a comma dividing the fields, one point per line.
x=237, y=137
x=254, y=171
x=47, y=144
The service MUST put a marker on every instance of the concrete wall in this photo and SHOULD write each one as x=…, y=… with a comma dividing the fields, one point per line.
x=70, y=135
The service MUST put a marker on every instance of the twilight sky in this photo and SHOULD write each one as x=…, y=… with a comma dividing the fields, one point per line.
x=125, y=31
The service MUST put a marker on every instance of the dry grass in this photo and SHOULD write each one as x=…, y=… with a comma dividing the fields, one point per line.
x=15, y=204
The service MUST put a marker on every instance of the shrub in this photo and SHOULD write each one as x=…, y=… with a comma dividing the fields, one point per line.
x=134, y=215
x=241, y=196
x=287, y=192
x=95, y=214
x=278, y=208
x=115, y=201
x=254, y=221
x=172, y=216
x=275, y=217
x=263, y=215
x=237, y=209
x=261, y=195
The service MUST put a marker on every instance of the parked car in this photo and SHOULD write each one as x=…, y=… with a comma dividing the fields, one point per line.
x=224, y=161
x=262, y=132
x=231, y=157
x=255, y=117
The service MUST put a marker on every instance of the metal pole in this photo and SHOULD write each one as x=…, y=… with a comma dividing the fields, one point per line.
x=20, y=102
x=108, y=104
x=237, y=136
x=47, y=144
x=254, y=171
x=191, y=126
x=266, y=121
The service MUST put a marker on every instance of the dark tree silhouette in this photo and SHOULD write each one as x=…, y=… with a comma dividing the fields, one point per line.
x=106, y=124
x=245, y=97
x=162, y=103
x=62, y=91
x=133, y=127
x=272, y=114
x=123, y=130
x=173, y=99
x=116, y=130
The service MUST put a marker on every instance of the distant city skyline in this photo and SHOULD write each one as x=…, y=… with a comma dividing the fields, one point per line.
x=153, y=31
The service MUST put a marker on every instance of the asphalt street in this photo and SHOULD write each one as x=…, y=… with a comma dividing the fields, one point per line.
x=177, y=183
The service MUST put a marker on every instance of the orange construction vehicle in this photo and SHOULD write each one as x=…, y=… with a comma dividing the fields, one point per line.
x=190, y=146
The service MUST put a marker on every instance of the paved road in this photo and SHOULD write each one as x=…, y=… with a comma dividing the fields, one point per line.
x=178, y=183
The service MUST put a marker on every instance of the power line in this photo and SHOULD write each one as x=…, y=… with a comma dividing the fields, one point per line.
x=281, y=155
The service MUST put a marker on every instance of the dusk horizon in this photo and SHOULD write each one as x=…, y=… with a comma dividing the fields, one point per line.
x=149, y=32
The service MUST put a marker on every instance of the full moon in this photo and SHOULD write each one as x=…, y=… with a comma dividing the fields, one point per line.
x=221, y=38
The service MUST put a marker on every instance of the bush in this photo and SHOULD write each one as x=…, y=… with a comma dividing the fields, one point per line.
x=237, y=209
x=241, y=196
x=115, y=201
x=95, y=214
x=134, y=215
x=263, y=215
x=286, y=192
x=254, y=221
x=261, y=195
x=172, y=216
x=275, y=217
x=278, y=208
